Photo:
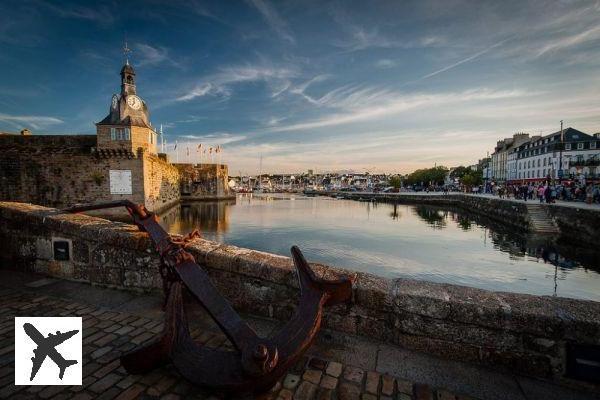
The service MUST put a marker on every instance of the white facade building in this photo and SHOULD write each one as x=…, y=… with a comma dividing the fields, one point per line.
x=539, y=158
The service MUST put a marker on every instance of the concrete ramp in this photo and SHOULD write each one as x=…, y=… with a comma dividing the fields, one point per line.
x=540, y=221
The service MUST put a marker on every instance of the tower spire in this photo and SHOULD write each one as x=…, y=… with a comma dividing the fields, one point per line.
x=126, y=51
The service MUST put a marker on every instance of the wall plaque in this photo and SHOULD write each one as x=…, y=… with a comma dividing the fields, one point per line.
x=120, y=181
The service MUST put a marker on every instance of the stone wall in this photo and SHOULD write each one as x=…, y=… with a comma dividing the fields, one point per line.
x=520, y=333
x=203, y=181
x=60, y=171
x=161, y=186
x=507, y=212
x=579, y=225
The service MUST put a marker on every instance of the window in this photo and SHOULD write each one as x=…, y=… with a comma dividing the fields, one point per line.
x=567, y=146
x=592, y=145
x=544, y=162
x=580, y=146
x=120, y=134
x=151, y=137
x=539, y=162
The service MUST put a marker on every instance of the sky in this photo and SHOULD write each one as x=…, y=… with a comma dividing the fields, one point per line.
x=378, y=86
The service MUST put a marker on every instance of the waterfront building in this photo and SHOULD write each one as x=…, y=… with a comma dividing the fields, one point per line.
x=540, y=157
x=498, y=169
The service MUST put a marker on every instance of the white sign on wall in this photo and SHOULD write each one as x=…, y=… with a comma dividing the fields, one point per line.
x=120, y=181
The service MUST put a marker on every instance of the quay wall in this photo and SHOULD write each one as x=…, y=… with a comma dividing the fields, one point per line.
x=520, y=333
x=510, y=213
x=579, y=225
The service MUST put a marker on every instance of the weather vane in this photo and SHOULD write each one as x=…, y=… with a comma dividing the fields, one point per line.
x=126, y=51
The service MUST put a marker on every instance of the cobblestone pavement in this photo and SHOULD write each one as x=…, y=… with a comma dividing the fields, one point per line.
x=337, y=366
x=107, y=334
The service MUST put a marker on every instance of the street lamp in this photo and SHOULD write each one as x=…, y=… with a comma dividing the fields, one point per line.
x=560, y=164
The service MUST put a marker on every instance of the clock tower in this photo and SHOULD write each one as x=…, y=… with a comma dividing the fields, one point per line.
x=127, y=124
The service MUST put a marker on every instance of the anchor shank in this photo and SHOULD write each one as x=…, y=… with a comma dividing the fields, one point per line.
x=234, y=327
x=199, y=283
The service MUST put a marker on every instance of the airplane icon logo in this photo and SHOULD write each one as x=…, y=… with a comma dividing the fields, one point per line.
x=47, y=348
x=48, y=338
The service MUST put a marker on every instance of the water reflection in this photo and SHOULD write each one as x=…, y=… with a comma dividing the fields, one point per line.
x=434, y=217
x=206, y=216
x=439, y=244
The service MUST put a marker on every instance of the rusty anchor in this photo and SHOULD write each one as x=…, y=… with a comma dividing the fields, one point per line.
x=257, y=363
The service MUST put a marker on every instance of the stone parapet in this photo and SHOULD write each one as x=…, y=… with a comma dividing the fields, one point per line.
x=520, y=333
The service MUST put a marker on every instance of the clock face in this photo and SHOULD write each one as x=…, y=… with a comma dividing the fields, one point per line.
x=134, y=102
x=115, y=100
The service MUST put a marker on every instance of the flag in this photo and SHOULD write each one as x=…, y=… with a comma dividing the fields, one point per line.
x=188, y=151
x=175, y=148
x=200, y=147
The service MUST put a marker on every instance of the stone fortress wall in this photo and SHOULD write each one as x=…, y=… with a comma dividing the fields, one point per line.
x=202, y=181
x=59, y=171
x=530, y=335
x=62, y=170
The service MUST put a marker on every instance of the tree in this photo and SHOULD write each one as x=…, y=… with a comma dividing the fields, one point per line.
x=426, y=176
x=395, y=181
x=472, y=178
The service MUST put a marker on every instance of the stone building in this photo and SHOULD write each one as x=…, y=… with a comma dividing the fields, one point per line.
x=119, y=162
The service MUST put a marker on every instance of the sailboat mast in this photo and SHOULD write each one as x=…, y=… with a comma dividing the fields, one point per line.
x=260, y=174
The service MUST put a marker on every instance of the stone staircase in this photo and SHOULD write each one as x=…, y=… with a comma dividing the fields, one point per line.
x=540, y=221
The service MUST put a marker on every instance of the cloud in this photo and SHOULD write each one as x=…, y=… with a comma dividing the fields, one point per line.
x=154, y=55
x=100, y=14
x=213, y=138
x=588, y=35
x=33, y=121
x=465, y=60
x=385, y=63
x=559, y=33
x=360, y=38
x=370, y=103
x=278, y=24
x=219, y=83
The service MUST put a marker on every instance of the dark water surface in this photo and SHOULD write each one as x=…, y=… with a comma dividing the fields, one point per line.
x=413, y=241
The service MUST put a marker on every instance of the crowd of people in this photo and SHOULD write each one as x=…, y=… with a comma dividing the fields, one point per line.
x=548, y=192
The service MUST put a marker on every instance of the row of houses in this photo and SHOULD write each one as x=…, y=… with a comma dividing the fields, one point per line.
x=566, y=154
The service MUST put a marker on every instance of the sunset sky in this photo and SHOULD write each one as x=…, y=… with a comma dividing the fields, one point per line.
x=366, y=85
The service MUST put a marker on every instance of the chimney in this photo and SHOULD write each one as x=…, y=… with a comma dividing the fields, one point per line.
x=25, y=132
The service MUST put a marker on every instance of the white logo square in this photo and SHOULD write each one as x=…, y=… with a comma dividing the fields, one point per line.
x=48, y=351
